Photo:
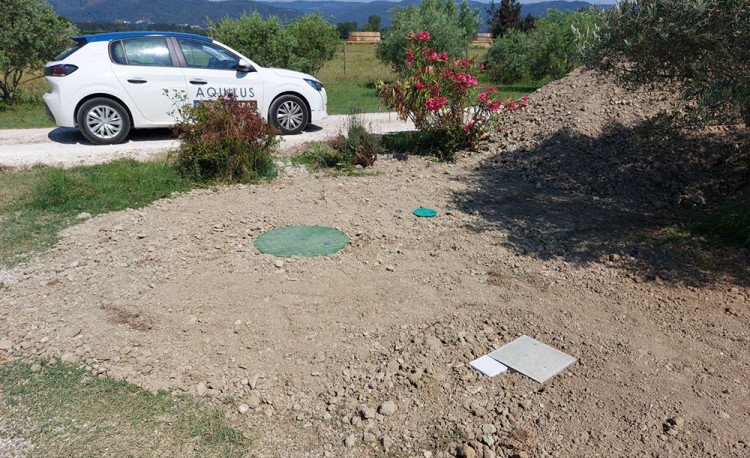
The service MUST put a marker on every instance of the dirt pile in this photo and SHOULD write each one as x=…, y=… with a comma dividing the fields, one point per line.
x=366, y=352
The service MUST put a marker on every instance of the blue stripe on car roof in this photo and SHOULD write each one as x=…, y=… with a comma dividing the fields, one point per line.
x=120, y=35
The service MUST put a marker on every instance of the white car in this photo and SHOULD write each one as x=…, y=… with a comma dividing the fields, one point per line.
x=112, y=82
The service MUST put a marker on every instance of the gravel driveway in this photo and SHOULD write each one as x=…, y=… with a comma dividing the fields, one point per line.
x=67, y=147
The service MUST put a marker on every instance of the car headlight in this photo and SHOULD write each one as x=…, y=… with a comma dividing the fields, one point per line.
x=317, y=85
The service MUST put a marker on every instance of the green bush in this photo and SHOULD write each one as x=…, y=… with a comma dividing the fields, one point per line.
x=224, y=140
x=698, y=46
x=550, y=50
x=304, y=45
x=451, y=27
x=442, y=97
x=509, y=59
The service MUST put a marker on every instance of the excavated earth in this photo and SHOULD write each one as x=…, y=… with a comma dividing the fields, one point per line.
x=549, y=231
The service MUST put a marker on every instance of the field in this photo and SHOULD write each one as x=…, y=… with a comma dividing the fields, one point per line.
x=353, y=88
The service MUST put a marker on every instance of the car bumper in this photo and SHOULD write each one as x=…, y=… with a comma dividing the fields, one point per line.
x=57, y=111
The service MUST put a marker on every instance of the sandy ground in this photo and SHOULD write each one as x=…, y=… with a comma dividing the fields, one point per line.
x=66, y=146
x=365, y=352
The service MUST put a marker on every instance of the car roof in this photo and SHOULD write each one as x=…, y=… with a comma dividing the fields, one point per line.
x=120, y=35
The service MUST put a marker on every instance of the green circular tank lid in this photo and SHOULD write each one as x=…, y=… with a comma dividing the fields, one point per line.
x=425, y=212
x=307, y=241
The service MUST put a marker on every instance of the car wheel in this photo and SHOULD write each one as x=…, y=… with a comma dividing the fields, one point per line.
x=289, y=114
x=103, y=121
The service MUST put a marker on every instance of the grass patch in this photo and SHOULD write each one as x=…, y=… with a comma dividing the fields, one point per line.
x=36, y=204
x=65, y=411
x=24, y=116
x=730, y=229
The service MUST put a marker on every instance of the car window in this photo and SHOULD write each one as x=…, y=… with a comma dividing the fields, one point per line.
x=151, y=51
x=201, y=54
x=117, y=52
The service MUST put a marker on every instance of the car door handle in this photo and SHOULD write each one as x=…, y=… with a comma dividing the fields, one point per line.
x=137, y=81
x=198, y=82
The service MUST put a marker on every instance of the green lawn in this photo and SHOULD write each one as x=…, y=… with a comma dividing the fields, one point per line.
x=24, y=116
x=61, y=410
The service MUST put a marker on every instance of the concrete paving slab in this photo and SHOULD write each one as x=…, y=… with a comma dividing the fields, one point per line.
x=488, y=366
x=532, y=358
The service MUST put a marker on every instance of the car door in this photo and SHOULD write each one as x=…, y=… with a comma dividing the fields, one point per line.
x=150, y=75
x=212, y=71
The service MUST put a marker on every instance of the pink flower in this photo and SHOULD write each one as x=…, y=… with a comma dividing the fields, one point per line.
x=468, y=126
x=426, y=52
x=444, y=56
x=525, y=100
x=483, y=96
x=423, y=35
x=432, y=57
x=419, y=85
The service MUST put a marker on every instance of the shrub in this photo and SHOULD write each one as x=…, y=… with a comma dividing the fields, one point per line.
x=699, y=46
x=357, y=147
x=303, y=45
x=451, y=27
x=509, y=58
x=441, y=97
x=317, y=42
x=550, y=50
x=224, y=140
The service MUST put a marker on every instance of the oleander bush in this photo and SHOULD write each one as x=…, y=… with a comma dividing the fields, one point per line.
x=224, y=140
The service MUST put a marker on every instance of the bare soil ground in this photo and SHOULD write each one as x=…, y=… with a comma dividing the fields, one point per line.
x=366, y=352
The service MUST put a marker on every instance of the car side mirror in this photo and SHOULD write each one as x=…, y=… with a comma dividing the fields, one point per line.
x=245, y=66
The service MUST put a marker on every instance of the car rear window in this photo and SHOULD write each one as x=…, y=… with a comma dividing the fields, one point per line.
x=150, y=51
x=65, y=54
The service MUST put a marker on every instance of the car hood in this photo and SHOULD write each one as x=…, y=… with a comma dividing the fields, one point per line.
x=292, y=74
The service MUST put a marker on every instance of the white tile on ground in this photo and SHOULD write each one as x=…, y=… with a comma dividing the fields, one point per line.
x=488, y=366
x=532, y=358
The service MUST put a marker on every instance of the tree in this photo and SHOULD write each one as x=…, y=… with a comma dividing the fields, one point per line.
x=345, y=27
x=32, y=34
x=451, y=27
x=698, y=46
x=373, y=24
x=317, y=42
x=304, y=45
x=506, y=17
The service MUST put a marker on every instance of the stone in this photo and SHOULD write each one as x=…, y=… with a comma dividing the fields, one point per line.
x=724, y=415
x=201, y=389
x=466, y=451
x=350, y=440
x=369, y=438
x=387, y=408
x=254, y=401
x=6, y=345
x=386, y=442
x=84, y=215
x=243, y=408
x=69, y=358
x=279, y=263
x=367, y=413
x=36, y=367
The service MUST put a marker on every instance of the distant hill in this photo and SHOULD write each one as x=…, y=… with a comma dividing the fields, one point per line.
x=195, y=12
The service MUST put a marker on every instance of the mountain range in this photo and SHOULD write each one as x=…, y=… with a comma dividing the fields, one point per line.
x=195, y=12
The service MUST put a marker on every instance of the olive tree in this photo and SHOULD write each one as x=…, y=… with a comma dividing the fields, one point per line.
x=304, y=45
x=699, y=47
x=32, y=34
x=451, y=27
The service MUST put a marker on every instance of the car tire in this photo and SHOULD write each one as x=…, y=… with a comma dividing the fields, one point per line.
x=289, y=114
x=103, y=121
